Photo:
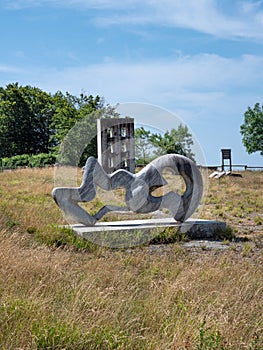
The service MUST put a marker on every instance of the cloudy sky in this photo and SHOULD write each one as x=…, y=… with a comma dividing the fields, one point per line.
x=200, y=60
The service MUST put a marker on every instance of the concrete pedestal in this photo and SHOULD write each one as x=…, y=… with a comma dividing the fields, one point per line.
x=128, y=233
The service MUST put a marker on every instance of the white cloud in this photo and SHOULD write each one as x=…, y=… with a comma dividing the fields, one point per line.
x=202, y=15
x=188, y=82
x=84, y=4
x=245, y=18
x=204, y=90
x=249, y=7
x=10, y=69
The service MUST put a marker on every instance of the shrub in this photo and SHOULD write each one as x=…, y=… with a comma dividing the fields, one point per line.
x=26, y=160
x=42, y=159
x=16, y=161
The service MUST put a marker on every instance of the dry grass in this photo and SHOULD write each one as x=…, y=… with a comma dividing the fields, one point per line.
x=238, y=201
x=166, y=297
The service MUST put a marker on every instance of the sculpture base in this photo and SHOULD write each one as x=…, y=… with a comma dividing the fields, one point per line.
x=121, y=234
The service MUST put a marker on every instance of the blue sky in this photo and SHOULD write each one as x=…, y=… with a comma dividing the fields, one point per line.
x=202, y=60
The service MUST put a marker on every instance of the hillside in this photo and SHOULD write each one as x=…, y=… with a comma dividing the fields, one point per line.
x=59, y=292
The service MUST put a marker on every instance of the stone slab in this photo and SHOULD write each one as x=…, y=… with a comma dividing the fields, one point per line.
x=148, y=229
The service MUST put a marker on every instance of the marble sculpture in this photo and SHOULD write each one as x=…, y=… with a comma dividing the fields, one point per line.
x=139, y=188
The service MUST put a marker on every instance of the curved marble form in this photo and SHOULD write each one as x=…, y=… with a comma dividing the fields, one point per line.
x=139, y=188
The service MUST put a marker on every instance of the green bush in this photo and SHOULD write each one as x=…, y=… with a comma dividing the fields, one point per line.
x=15, y=161
x=26, y=160
x=42, y=159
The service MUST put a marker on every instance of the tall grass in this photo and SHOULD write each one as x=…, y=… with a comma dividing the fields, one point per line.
x=59, y=293
x=238, y=201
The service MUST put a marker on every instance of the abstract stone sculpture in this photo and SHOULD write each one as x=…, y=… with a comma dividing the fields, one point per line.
x=139, y=188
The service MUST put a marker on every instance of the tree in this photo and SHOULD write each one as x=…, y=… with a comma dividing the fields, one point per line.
x=148, y=145
x=75, y=125
x=143, y=146
x=252, y=129
x=33, y=121
x=25, y=118
x=69, y=110
x=175, y=141
x=80, y=141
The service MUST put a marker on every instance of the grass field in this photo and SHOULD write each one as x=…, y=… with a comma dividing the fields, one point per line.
x=59, y=292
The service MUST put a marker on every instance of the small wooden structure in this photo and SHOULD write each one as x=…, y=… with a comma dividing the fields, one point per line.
x=116, y=148
x=226, y=155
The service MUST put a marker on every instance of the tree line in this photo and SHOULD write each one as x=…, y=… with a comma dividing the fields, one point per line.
x=63, y=126
x=33, y=121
